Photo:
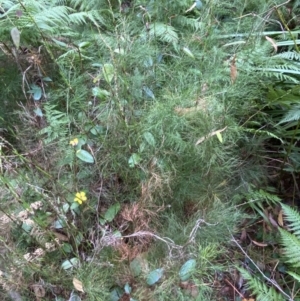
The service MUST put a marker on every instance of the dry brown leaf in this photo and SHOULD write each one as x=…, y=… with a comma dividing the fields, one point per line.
x=78, y=285
x=204, y=88
x=210, y=135
x=60, y=236
x=272, y=41
x=233, y=70
x=259, y=244
x=39, y=291
x=272, y=220
x=243, y=235
x=183, y=111
x=184, y=284
x=246, y=299
x=280, y=218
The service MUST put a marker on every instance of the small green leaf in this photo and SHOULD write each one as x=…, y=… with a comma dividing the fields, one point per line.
x=108, y=72
x=135, y=267
x=67, y=264
x=188, y=52
x=101, y=93
x=83, y=44
x=134, y=160
x=154, y=276
x=148, y=92
x=15, y=35
x=36, y=91
x=119, y=51
x=66, y=207
x=116, y=294
x=187, y=270
x=75, y=207
x=47, y=79
x=67, y=248
x=102, y=221
x=149, y=138
x=112, y=211
x=60, y=43
x=98, y=129
x=117, y=234
x=74, y=297
x=219, y=135
x=59, y=224
x=84, y=156
x=127, y=288
x=78, y=238
x=38, y=112
x=26, y=227
x=198, y=4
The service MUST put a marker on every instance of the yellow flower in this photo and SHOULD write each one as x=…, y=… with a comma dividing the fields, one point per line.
x=74, y=142
x=80, y=197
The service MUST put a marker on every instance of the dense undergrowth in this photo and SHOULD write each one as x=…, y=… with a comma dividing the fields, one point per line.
x=145, y=150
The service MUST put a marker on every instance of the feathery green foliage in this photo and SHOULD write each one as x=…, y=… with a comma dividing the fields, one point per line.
x=141, y=130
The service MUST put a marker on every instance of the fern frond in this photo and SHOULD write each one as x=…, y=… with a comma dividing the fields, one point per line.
x=286, y=68
x=57, y=123
x=293, y=217
x=295, y=276
x=291, y=247
x=288, y=55
x=262, y=133
x=163, y=32
x=292, y=115
x=84, y=16
x=49, y=18
x=183, y=21
x=259, y=288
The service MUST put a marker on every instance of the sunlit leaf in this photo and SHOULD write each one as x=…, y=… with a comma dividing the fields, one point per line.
x=83, y=44
x=188, y=52
x=84, y=156
x=119, y=51
x=210, y=135
x=219, y=136
x=67, y=264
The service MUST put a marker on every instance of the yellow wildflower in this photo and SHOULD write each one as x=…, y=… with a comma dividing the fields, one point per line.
x=80, y=197
x=74, y=142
